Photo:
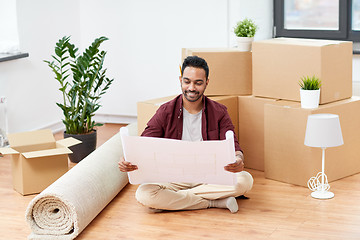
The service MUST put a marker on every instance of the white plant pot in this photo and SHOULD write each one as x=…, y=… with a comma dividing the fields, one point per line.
x=310, y=98
x=244, y=43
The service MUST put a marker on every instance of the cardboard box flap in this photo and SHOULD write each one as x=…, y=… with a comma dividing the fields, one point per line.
x=159, y=101
x=7, y=150
x=285, y=103
x=303, y=42
x=31, y=138
x=46, y=153
x=297, y=105
x=211, y=50
x=68, y=142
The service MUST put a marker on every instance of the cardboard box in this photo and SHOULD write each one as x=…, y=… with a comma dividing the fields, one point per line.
x=287, y=159
x=37, y=159
x=147, y=109
x=231, y=103
x=279, y=64
x=230, y=70
x=251, y=129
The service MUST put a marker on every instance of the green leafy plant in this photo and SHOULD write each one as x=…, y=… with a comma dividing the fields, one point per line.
x=82, y=82
x=310, y=83
x=245, y=28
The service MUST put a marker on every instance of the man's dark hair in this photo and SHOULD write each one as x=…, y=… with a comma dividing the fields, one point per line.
x=196, y=62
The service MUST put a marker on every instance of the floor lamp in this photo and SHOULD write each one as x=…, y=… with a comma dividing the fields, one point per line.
x=323, y=131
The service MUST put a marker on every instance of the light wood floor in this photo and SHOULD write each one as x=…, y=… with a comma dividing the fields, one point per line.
x=274, y=210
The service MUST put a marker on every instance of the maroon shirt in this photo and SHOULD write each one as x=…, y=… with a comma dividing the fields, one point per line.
x=168, y=121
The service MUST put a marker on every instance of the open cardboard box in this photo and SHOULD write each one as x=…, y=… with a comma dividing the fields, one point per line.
x=37, y=159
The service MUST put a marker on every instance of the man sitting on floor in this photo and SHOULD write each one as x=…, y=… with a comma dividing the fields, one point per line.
x=192, y=116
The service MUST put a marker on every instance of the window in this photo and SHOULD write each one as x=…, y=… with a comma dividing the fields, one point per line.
x=354, y=15
x=311, y=15
x=323, y=19
x=9, y=39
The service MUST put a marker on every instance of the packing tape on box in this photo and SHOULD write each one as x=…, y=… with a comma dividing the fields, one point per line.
x=66, y=207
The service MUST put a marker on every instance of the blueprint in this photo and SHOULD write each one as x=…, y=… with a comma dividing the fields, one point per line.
x=167, y=160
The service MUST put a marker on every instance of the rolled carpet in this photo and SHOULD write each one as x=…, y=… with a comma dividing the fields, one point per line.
x=66, y=207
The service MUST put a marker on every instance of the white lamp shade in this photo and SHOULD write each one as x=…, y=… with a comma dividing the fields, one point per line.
x=323, y=130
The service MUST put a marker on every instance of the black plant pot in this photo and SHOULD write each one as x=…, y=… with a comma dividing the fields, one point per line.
x=80, y=151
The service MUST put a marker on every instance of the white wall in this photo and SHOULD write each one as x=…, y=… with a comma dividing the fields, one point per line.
x=146, y=37
x=259, y=10
x=144, y=49
x=28, y=83
x=145, y=44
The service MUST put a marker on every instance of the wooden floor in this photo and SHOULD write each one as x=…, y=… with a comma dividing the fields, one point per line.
x=274, y=210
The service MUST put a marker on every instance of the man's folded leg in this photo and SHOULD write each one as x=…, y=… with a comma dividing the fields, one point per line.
x=211, y=191
x=187, y=196
x=170, y=196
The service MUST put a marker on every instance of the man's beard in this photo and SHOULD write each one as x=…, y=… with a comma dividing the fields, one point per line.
x=192, y=98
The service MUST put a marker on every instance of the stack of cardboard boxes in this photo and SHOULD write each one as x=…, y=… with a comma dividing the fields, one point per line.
x=260, y=89
x=278, y=65
x=230, y=76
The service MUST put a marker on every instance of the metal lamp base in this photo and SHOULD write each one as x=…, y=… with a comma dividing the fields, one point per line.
x=322, y=194
x=319, y=184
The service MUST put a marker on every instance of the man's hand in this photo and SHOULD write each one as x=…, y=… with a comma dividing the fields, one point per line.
x=125, y=166
x=237, y=166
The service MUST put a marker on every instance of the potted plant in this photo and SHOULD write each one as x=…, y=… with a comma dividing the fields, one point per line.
x=310, y=91
x=245, y=31
x=82, y=83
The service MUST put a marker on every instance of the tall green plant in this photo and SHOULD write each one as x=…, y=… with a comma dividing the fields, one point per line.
x=310, y=83
x=82, y=82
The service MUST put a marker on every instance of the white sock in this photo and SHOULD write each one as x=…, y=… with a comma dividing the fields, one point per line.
x=229, y=203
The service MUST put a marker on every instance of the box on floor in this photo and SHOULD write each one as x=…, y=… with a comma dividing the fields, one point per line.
x=251, y=129
x=230, y=70
x=287, y=159
x=147, y=109
x=37, y=159
x=279, y=64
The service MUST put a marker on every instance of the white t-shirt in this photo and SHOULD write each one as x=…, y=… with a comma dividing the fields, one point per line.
x=192, y=126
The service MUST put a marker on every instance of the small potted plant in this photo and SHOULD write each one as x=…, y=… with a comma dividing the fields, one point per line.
x=245, y=31
x=310, y=91
x=82, y=81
